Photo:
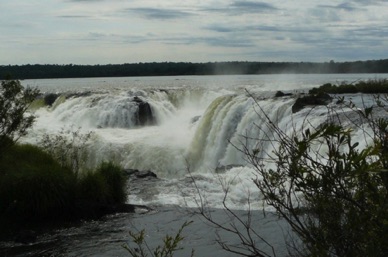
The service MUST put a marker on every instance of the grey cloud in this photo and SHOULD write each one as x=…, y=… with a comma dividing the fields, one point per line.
x=84, y=0
x=117, y=38
x=259, y=28
x=347, y=6
x=73, y=16
x=209, y=41
x=252, y=6
x=240, y=7
x=370, y=2
x=356, y=38
x=160, y=14
x=220, y=28
x=331, y=13
x=323, y=48
x=230, y=42
x=227, y=42
x=316, y=54
x=369, y=36
x=354, y=5
x=231, y=29
x=19, y=25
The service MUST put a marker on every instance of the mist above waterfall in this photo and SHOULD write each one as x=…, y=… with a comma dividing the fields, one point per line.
x=181, y=127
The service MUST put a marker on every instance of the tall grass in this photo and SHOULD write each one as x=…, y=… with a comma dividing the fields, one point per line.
x=115, y=180
x=35, y=187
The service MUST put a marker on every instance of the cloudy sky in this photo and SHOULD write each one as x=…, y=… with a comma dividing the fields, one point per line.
x=131, y=31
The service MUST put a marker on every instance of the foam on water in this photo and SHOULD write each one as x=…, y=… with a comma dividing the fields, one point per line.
x=201, y=132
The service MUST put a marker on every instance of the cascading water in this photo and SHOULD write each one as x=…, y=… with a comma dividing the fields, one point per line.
x=184, y=130
x=188, y=130
x=200, y=133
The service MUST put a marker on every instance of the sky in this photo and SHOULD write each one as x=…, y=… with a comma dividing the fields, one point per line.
x=132, y=31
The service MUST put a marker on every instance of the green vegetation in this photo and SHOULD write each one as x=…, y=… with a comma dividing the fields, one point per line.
x=36, y=71
x=14, y=120
x=33, y=186
x=366, y=87
x=100, y=191
x=39, y=185
x=168, y=249
x=336, y=204
x=115, y=181
x=69, y=148
x=332, y=192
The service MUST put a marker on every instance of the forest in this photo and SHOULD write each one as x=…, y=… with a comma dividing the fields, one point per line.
x=40, y=71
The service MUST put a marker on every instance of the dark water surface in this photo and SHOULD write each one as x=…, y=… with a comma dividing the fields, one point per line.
x=106, y=237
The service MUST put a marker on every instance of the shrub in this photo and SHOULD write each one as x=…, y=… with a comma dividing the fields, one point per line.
x=332, y=192
x=115, y=180
x=69, y=148
x=92, y=190
x=33, y=186
x=102, y=187
x=14, y=103
x=168, y=249
x=38, y=185
x=342, y=192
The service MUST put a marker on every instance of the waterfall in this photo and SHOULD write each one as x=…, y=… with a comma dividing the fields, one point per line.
x=197, y=124
x=111, y=111
x=204, y=130
x=231, y=123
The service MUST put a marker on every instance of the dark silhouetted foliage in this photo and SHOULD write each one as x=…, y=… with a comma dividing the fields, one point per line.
x=367, y=87
x=33, y=186
x=35, y=71
x=14, y=103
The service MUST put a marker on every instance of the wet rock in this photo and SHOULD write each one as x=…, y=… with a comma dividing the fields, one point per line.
x=117, y=208
x=311, y=100
x=140, y=174
x=224, y=168
x=49, y=99
x=130, y=172
x=79, y=94
x=144, y=114
x=195, y=119
x=281, y=94
x=146, y=174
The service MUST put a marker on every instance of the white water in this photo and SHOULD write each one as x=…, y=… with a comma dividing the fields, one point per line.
x=201, y=124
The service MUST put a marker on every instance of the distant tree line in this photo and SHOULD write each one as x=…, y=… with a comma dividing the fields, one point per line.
x=37, y=71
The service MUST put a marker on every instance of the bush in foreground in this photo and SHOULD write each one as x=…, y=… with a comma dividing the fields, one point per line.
x=101, y=190
x=170, y=246
x=115, y=181
x=14, y=103
x=330, y=190
x=35, y=187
